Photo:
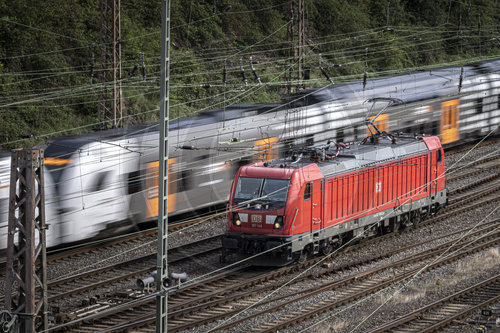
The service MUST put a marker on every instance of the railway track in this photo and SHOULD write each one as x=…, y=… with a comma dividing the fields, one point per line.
x=486, y=165
x=363, y=284
x=191, y=298
x=206, y=302
x=444, y=312
x=117, y=273
x=138, y=239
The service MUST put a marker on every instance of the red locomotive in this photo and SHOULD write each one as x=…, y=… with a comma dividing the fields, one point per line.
x=321, y=197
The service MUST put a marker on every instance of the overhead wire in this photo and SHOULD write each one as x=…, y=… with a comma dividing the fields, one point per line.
x=402, y=202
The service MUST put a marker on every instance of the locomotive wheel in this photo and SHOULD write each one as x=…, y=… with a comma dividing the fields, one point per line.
x=416, y=217
x=397, y=226
x=326, y=250
x=304, y=255
x=387, y=229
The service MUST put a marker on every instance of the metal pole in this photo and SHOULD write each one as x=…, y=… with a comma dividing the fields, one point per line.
x=162, y=269
x=26, y=275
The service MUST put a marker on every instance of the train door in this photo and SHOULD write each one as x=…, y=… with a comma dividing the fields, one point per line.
x=152, y=178
x=435, y=159
x=449, y=121
x=266, y=149
x=316, y=204
x=382, y=123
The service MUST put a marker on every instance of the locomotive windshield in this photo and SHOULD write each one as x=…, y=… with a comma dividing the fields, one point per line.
x=261, y=193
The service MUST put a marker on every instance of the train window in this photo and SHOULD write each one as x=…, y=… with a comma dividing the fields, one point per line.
x=275, y=189
x=340, y=135
x=479, y=105
x=439, y=156
x=310, y=141
x=356, y=132
x=4, y=206
x=134, y=182
x=186, y=180
x=202, y=157
x=248, y=188
x=307, y=192
x=100, y=181
x=435, y=127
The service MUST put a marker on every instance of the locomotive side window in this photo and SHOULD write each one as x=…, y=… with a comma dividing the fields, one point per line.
x=439, y=156
x=307, y=192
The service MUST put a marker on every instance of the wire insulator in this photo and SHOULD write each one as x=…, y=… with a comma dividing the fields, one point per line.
x=224, y=74
x=461, y=79
x=134, y=70
x=143, y=67
x=242, y=72
x=256, y=76
x=92, y=65
x=326, y=74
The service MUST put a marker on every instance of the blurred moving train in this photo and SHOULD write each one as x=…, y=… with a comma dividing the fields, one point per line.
x=107, y=182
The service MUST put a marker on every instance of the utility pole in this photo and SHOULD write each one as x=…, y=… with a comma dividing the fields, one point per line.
x=296, y=38
x=162, y=267
x=110, y=108
x=26, y=276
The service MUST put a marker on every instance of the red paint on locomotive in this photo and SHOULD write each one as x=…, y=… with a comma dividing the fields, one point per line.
x=314, y=205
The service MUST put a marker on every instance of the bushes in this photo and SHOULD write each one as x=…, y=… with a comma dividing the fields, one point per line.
x=46, y=52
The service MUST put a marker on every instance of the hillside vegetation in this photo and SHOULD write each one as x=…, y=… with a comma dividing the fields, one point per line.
x=48, y=50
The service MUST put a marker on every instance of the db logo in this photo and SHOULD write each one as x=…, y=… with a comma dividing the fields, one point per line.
x=378, y=187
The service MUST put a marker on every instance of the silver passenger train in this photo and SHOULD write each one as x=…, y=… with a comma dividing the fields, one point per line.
x=107, y=182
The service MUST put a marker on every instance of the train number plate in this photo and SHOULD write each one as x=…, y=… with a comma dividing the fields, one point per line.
x=256, y=218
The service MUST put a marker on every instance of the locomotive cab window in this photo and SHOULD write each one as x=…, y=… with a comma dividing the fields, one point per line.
x=261, y=193
x=438, y=156
x=307, y=192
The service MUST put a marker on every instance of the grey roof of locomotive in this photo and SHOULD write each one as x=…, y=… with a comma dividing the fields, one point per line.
x=358, y=156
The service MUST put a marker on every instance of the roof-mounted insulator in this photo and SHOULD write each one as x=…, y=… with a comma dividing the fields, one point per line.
x=461, y=79
x=242, y=72
x=256, y=76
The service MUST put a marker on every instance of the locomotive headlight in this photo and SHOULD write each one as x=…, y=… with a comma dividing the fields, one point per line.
x=236, y=220
x=278, y=223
